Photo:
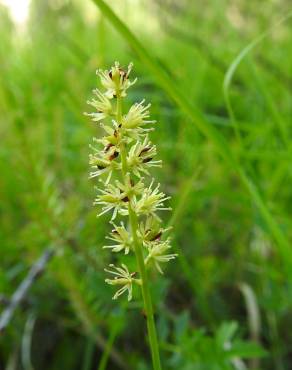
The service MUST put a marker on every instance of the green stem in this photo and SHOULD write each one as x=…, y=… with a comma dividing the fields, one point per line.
x=148, y=307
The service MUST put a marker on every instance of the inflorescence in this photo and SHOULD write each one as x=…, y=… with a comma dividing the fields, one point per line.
x=122, y=159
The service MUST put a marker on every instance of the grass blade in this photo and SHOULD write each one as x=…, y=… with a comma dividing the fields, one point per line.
x=231, y=71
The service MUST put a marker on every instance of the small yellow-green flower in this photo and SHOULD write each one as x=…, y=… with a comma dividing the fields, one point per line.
x=157, y=253
x=122, y=277
x=140, y=157
x=102, y=105
x=111, y=198
x=151, y=201
x=116, y=80
x=122, y=238
x=137, y=116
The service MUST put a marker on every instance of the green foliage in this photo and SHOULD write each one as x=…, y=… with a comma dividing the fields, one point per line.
x=226, y=303
x=194, y=349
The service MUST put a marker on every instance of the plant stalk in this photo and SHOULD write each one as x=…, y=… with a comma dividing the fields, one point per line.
x=148, y=307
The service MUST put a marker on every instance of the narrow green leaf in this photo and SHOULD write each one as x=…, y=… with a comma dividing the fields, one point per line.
x=225, y=333
x=246, y=350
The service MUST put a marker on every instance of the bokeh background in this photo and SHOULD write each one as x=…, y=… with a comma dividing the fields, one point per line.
x=225, y=303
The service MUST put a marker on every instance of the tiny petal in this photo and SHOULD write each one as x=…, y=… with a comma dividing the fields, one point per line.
x=122, y=277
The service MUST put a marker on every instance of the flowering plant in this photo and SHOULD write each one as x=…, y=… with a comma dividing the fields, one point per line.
x=122, y=159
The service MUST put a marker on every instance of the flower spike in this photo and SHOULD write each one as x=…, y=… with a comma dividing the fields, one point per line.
x=121, y=160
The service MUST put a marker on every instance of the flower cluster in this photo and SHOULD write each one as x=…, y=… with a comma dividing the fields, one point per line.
x=122, y=159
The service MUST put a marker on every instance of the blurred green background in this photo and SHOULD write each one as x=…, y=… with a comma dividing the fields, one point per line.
x=226, y=302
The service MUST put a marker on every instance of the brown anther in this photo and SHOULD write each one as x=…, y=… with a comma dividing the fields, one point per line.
x=106, y=149
x=156, y=237
x=146, y=160
x=145, y=150
x=113, y=156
